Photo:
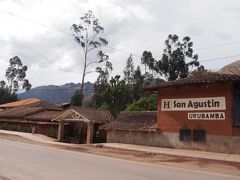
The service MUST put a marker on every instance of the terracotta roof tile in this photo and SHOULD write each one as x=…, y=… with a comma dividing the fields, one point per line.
x=198, y=78
x=29, y=109
x=46, y=105
x=44, y=116
x=92, y=114
x=141, y=121
x=19, y=112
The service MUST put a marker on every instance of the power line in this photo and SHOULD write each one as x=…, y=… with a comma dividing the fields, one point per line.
x=58, y=30
x=34, y=22
x=123, y=51
x=219, y=45
x=119, y=50
x=214, y=59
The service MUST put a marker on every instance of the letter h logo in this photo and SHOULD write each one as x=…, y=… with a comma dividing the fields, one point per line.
x=166, y=104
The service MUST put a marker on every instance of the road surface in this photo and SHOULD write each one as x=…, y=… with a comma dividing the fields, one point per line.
x=27, y=161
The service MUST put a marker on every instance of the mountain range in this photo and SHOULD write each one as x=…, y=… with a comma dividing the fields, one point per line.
x=58, y=94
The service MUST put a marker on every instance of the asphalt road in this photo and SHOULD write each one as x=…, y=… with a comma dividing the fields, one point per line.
x=27, y=161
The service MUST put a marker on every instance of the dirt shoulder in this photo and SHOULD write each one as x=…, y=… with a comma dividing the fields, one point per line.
x=223, y=167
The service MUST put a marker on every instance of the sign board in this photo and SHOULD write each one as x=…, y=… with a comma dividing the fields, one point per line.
x=194, y=104
x=206, y=116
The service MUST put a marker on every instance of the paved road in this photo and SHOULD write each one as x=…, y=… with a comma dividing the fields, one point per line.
x=27, y=161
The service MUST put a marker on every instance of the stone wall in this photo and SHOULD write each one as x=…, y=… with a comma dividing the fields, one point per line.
x=214, y=143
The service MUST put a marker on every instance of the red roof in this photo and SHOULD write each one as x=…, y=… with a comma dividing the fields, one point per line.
x=197, y=78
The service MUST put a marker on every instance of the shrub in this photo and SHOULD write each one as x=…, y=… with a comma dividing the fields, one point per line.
x=148, y=103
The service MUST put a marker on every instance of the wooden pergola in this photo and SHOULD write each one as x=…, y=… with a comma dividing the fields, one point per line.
x=73, y=116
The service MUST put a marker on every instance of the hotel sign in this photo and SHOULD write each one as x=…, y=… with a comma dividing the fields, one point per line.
x=194, y=104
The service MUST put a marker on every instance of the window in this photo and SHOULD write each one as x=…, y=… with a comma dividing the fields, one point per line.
x=185, y=135
x=199, y=135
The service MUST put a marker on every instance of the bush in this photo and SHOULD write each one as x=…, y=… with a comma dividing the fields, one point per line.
x=148, y=103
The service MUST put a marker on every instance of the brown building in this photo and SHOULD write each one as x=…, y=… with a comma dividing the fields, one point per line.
x=75, y=124
x=18, y=117
x=200, y=112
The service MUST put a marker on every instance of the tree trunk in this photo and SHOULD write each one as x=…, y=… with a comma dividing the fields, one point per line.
x=83, y=77
x=11, y=83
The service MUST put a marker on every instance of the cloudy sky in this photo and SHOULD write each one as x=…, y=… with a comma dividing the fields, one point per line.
x=131, y=26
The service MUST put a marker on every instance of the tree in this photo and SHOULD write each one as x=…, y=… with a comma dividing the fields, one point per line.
x=75, y=99
x=147, y=60
x=129, y=71
x=99, y=88
x=200, y=69
x=86, y=34
x=173, y=64
x=176, y=60
x=6, y=96
x=117, y=95
x=15, y=74
x=138, y=84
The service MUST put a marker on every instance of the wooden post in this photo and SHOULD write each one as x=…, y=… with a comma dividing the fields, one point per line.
x=60, y=131
x=90, y=129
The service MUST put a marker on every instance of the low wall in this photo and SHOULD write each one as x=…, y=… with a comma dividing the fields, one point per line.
x=45, y=129
x=221, y=144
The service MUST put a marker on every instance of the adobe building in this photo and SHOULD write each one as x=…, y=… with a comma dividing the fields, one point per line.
x=73, y=125
x=18, y=116
x=200, y=112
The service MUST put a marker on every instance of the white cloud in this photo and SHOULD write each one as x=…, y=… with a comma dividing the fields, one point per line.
x=132, y=26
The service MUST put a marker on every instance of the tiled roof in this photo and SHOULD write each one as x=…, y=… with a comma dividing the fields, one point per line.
x=140, y=121
x=45, y=105
x=29, y=109
x=92, y=114
x=19, y=112
x=44, y=116
x=20, y=103
x=197, y=78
